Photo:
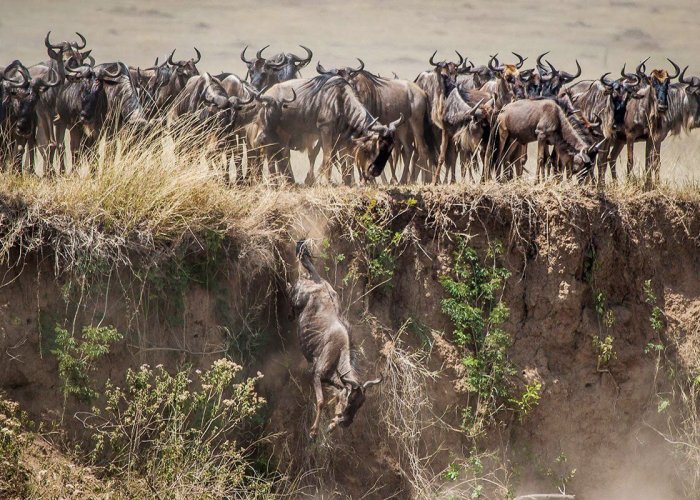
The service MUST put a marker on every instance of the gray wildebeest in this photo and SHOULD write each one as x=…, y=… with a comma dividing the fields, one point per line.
x=326, y=343
x=20, y=101
x=264, y=73
x=525, y=121
x=326, y=109
x=388, y=99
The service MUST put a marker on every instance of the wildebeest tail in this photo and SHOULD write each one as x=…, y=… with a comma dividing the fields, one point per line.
x=429, y=137
x=304, y=256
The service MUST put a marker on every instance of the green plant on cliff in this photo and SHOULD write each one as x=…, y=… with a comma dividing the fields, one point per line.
x=180, y=433
x=77, y=358
x=378, y=244
x=603, y=341
x=474, y=305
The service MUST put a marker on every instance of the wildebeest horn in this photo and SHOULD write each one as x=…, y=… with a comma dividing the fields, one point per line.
x=294, y=98
x=321, y=70
x=372, y=123
x=362, y=66
x=639, y=71
x=605, y=81
x=49, y=45
x=258, y=54
x=596, y=147
x=522, y=60
x=82, y=71
x=681, y=77
x=568, y=77
x=170, y=58
x=90, y=59
x=675, y=66
x=83, y=40
x=597, y=123
x=396, y=123
x=107, y=74
x=155, y=64
x=18, y=65
x=461, y=59
x=464, y=70
x=199, y=56
x=370, y=383
x=243, y=56
x=432, y=63
x=43, y=83
x=539, y=60
x=303, y=62
x=491, y=66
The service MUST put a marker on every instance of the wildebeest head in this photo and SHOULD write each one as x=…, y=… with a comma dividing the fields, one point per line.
x=584, y=160
x=619, y=92
x=448, y=71
x=554, y=79
x=280, y=68
x=185, y=69
x=349, y=403
x=510, y=73
x=93, y=99
x=693, y=91
x=68, y=50
x=346, y=73
x=270, y=115
x=24, y=95
x=659, y=81
x=373, y=148
x=480, y=74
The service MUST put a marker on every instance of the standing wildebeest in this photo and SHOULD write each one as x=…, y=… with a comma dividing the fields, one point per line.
x=553, y=81
x=388, y=100
x=213, y=112
x=544, y=121
x=159, y=86
x=507, y=85
x=605, y=101
x=326, y=108
x=20, y=109
x=123, y=106
x=437, y=85
x=326, y=343
x=264, y=73
x=650, y=119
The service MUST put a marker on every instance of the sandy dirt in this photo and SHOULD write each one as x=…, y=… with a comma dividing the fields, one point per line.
x=390, y=36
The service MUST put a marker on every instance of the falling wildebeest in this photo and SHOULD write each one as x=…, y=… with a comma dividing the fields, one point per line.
x=326, y=343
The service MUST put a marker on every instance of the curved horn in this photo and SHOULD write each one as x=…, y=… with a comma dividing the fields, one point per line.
x=522, y=60
x=248, y=62
x=81, y=71
x=321, y=70
x=604, y=80
x=370, y=383
x=371, y=124
x=461, y=59
x=199, y=56
x=294, y=98
x=569, y=77
x=14, y=83
x=681, y=77
x=676, y=67
x=258, y=54
x=552, y=69
x=83, y=40
x=598, y=122
x=396, y=123
x=639, y=71
x=170, y=58
x=303, y=62
x=432, y=63
x=56, y=82
x=539, y=60
x=90, y=59
x=491, y=66
x=107, y=74
x=464, y=70
x=155, y=64
x=362, y=66
x=49, y=45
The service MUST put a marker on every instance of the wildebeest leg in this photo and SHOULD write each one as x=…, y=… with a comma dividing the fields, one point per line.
x=630, y=156
x=444, y=144
x=651, y=163
x=614, y=151
x=328, y=150
x=312, y=154
x=75, y=147
x=451, y=162
x=318, y=389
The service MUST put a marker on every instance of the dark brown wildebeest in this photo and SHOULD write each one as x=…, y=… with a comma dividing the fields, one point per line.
x=524, y=121
x=605, y=101
x=264, y=73
x=388, y=100
x=326, y=342
x=437, y=85
x=326, y=109
x=211, y=111
x=554, y=80
x=21, y=99
x=648, y=118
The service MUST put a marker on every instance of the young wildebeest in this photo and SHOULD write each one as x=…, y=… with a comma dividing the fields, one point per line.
x=326, y=344
x=525, y=121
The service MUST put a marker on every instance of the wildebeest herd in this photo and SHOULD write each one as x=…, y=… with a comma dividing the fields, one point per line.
x=453, y=114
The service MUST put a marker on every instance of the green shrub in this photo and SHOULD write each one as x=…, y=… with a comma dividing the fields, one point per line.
x=13, y=478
